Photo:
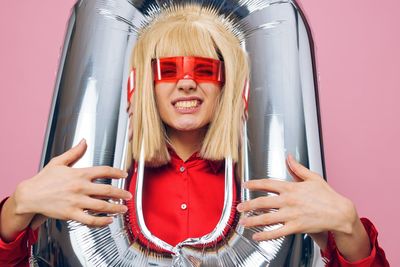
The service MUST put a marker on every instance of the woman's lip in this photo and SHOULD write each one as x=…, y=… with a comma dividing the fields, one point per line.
x=187, y=98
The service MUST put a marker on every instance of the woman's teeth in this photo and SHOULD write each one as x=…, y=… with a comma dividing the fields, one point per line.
x=187, y=104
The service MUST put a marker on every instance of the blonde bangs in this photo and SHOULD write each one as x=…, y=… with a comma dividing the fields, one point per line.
x=175, y=41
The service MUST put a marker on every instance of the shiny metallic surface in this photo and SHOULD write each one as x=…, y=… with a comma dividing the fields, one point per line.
x=90, y=99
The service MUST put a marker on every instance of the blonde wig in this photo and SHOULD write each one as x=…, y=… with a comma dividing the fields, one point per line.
x=189, y=30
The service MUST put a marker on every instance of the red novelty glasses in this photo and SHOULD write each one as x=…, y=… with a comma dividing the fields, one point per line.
x=199, y=69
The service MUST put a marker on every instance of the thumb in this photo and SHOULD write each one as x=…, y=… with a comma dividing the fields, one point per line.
x=298, y=171
x=70, y=156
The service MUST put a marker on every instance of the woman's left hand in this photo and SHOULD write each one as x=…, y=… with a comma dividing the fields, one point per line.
x=307, y=205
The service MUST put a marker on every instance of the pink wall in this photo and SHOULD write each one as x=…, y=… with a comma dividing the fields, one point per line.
x=358, y=59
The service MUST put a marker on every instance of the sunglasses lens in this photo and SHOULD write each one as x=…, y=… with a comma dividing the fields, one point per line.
x=168, y=70
x=199, y=69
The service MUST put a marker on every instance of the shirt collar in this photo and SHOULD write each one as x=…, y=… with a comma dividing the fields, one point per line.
x=215, y=165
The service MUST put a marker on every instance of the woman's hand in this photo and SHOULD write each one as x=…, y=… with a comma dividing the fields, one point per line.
x=308, y=205
x=61, y=192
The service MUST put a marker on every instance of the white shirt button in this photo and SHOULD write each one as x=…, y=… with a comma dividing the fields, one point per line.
x=182, y=169
x=183, y=206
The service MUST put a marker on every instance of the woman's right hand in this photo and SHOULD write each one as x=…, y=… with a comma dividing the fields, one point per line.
x=61, y=192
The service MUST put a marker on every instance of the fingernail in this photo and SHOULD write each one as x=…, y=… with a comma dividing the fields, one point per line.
x=242, y=222
x=129, y=196
x=110, y=220
x=82, y=141
x=240, y=207
x=124, y=209
x=244, y=185
x=125, y=174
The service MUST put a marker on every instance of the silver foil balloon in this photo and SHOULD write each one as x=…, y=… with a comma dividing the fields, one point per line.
x=90, y=100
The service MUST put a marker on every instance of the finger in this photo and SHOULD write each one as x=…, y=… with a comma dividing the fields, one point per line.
x=106, y=172
x=273, y=234
x=71, y=156
x=269, y=185
x=103, y=206
x=273, y=202
x=262, y=220
x=299, y=170
x=108, y=191
x=91, y=220
x=294, y=176
x=76, y=160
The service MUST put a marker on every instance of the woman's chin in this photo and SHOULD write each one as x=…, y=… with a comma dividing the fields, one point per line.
x=187, y=126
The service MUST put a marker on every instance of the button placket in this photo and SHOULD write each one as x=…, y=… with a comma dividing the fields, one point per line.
x=184, y=205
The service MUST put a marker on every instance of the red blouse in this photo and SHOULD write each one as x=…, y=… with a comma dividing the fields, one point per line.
x=186, y=196
x=181, y=200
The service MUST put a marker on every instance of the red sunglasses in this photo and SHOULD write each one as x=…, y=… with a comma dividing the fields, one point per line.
x=199, y=69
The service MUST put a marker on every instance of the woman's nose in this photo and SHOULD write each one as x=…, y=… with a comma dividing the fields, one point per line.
x=186, y=84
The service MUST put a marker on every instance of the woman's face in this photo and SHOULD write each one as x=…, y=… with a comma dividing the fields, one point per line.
x=186, y=105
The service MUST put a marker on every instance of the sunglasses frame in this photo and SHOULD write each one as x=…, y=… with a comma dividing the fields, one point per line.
x=199, y=69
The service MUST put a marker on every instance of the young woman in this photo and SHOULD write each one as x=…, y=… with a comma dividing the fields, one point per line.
x=188, y=110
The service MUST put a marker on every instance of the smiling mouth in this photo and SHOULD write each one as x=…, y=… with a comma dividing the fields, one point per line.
x=187, y=104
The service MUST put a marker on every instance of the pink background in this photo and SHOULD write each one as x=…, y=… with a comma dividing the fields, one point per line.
x=358, y=50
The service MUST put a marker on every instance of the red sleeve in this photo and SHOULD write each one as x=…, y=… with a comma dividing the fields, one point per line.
x=377, y=258
x=16, y=253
